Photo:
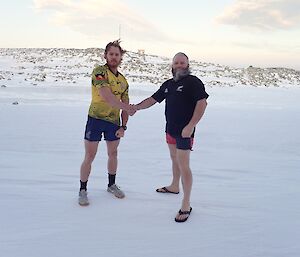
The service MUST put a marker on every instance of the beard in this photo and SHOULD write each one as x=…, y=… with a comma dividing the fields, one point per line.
x=113, y=63
x=180, y=73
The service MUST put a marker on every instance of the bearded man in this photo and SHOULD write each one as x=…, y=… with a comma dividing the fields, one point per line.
x=185, y=97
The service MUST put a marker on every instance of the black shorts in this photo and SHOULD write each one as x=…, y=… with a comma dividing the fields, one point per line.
x=180, y=142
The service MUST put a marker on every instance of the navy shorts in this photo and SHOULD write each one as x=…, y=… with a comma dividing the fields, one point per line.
x=96, y=127
x=180, y=142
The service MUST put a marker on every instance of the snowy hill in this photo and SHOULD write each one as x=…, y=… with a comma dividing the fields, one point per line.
x=56, y=66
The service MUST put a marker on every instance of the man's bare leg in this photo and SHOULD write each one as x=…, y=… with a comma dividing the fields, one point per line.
x=183, y=157
x=174, y=186
x=85, y=170
x=112, y=165
x=90, y=153
x=112, y=152
x=175, y=169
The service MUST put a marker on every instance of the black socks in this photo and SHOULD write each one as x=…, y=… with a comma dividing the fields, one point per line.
x=83, y=185
x=111, y=179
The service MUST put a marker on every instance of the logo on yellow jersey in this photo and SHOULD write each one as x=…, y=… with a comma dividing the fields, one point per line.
x=100, y=76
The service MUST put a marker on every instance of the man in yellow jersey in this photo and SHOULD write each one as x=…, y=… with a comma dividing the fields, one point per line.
x=109, y=96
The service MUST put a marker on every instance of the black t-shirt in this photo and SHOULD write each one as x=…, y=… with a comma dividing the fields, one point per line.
x=181, y=99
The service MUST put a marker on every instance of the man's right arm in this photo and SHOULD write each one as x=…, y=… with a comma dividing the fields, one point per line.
x=111, y=99
x=157, y=97
x=148, y=102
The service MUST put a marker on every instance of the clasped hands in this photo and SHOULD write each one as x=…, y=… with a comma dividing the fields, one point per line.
x=132, y=109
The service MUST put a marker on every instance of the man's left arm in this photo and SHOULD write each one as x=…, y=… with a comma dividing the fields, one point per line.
x=197, y=115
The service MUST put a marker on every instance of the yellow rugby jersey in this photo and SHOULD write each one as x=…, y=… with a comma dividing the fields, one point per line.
x=103, y=77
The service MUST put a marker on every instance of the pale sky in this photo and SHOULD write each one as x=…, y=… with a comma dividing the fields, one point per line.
x=239, y=33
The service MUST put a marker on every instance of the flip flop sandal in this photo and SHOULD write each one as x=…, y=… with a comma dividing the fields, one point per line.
x=165, y=190
x=184, y=213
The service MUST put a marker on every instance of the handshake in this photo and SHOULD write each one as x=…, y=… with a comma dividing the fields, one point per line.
x=131, y=109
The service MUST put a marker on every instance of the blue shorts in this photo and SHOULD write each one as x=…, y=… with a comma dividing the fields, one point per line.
x=95, y=128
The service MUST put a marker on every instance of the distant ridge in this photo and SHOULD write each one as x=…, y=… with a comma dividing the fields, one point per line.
x=33, y=66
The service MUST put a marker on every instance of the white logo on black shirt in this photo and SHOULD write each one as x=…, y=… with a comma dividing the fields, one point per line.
x=166, y=90
x=179, y=88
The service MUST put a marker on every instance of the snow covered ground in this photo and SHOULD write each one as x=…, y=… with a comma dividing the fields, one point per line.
x=245, y=164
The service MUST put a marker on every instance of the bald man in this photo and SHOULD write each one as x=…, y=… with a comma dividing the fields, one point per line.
x=185, y=99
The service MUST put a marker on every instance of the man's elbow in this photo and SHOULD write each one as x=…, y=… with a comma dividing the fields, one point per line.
x=106, y=98
x=110, y=101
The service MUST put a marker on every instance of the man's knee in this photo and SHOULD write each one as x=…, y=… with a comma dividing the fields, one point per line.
x=89, y=157
x=113, y=154
x=183, y=159
x=184, y=166
x=173, y=157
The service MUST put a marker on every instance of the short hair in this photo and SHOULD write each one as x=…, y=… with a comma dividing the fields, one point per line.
x=181, y=53
x=115, y=43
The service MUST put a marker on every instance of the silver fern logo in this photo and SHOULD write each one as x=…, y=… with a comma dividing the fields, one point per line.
x=179, y=88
